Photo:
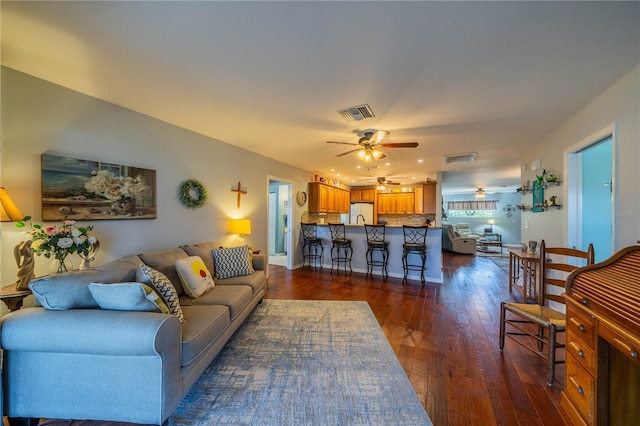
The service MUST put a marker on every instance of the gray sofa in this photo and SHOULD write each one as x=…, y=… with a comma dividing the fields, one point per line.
x=82, y=362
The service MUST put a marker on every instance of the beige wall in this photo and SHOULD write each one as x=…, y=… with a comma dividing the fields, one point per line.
x=39, y=117
x=619, y=105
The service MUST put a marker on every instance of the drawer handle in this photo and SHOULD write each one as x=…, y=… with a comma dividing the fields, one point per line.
x=580, y=353
x=581, y=327
x=580, y=390
x=585, y=301
x=634, y=354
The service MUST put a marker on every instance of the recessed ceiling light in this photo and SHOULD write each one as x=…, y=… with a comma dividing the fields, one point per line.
x=387, y=164
x=337, y=174
x=420, y=161
x=358, y=167
x=413, y=177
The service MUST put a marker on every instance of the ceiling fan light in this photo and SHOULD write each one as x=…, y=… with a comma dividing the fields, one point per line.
x=376, y=154
x=480, y=193
x=367, y=156
x=361, y=154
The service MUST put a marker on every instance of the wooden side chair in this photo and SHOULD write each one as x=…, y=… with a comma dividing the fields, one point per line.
x=535, y=325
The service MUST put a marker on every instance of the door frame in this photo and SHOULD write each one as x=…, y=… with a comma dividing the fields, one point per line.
x=573, y=186
x=288, y=235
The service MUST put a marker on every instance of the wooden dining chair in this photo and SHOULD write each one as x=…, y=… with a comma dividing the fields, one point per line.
x=533, y=326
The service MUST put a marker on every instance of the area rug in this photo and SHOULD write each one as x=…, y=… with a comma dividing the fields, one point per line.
x=304, y=363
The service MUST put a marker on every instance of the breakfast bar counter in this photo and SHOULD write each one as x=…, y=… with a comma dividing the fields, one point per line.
x=395, y=238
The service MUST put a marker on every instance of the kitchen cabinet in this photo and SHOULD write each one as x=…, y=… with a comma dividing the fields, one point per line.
x=396, y=203
x=363, y=195
x=425, y=198
x=325, y=198
x=405, y=203
x=387, y=203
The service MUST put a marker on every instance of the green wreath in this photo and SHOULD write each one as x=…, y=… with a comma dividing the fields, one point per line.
x=192, y=194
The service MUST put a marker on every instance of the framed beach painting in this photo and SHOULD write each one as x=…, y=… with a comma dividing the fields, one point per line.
x=93, y=190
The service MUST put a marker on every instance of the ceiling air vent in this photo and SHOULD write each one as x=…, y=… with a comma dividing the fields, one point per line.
x=356, y=113
x=461, y=158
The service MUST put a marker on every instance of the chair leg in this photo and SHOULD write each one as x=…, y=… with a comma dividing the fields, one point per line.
x=541, y=337
x=552, y=354
x=502, y=325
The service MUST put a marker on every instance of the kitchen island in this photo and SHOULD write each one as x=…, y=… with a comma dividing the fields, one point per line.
x=395, y=238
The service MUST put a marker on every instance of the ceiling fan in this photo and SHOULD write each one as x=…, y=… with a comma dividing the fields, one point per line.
x=384, y=182
x=370, y=143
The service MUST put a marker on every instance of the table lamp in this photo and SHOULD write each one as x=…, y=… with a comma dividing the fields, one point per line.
x=491, y=223
x=23, y=254
x=241, y=227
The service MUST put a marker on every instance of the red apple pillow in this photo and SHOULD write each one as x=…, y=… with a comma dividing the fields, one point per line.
x=194, y=275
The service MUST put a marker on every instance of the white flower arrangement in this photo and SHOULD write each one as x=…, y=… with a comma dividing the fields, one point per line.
x=111, y=187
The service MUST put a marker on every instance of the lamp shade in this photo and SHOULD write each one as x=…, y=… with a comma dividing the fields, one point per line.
x=239, y=226
x=492, y=222
x=9, y=212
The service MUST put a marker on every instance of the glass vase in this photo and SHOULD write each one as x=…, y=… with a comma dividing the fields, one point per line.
x=59, y=266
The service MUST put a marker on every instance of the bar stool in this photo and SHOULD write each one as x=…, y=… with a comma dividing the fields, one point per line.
x=415, y=242
x=311, y=244
x=376, y=243
x=341, y=250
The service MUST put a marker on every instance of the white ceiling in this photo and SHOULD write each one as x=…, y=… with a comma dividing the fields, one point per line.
x=457, y=77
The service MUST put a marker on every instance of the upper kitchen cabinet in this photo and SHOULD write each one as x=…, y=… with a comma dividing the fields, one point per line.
x=325, y=198
x=363, y=195
x=425, y=198
x=396, y=203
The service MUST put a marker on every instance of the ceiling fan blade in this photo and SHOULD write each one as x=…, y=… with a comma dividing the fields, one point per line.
x=378, y=136
x=343, y=143
x=399, y=145
x=348, y=152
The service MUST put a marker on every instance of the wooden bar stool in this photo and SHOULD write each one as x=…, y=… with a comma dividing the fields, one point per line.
x=376, y=244
x=312, y=249
x=415, y=242
x=341, y=250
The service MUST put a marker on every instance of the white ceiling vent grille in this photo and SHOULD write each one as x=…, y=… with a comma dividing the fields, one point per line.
x=356, y=113
x=461, y=158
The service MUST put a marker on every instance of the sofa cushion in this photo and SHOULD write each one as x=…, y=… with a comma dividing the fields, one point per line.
x=235, y=297
x=256, y=281
x=165, y=262
x=127, y=296
x=71, y=290
x=204, y=250
x=202, y=326
x=156, y=279
x=231, y=262
x=194, y=275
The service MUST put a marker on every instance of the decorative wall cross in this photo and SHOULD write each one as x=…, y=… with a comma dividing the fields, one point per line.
x=240, y=192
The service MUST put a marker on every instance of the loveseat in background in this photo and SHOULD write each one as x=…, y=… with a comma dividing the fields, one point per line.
x=89, y=363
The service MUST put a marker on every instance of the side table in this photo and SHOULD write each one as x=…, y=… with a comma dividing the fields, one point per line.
x=523, y=273
x=13, y=298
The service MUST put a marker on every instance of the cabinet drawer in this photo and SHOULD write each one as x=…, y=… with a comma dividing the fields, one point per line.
x=625, y=344
x=582, y=352
x=570, y=411
x=579, y=388
x=581, y=325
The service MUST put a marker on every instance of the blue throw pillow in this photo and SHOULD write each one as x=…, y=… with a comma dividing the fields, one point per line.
x=127, y=297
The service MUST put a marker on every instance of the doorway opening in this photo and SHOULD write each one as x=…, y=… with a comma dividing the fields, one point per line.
x=279, y=214
x=590, y=171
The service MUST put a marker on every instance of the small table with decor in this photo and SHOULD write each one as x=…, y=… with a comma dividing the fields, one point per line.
x=523, y=273
x=12, y=297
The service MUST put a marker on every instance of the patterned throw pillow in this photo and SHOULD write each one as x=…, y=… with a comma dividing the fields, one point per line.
x=127, y=297
x=194, y=275
x=163, y=286
x=232, y=262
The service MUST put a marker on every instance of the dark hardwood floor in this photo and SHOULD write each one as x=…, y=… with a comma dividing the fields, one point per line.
x=446, y=338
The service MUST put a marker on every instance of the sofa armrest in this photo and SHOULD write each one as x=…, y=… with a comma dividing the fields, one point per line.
x=90, y=331
x=258, y=262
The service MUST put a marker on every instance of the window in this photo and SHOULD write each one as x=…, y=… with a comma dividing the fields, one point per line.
x=471, y=213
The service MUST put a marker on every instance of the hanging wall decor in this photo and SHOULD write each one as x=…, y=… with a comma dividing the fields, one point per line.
x=94, y=190
x=240, y=191
x=192, y=194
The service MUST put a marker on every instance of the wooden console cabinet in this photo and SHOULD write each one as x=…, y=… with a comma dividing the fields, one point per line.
x=602, y=378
